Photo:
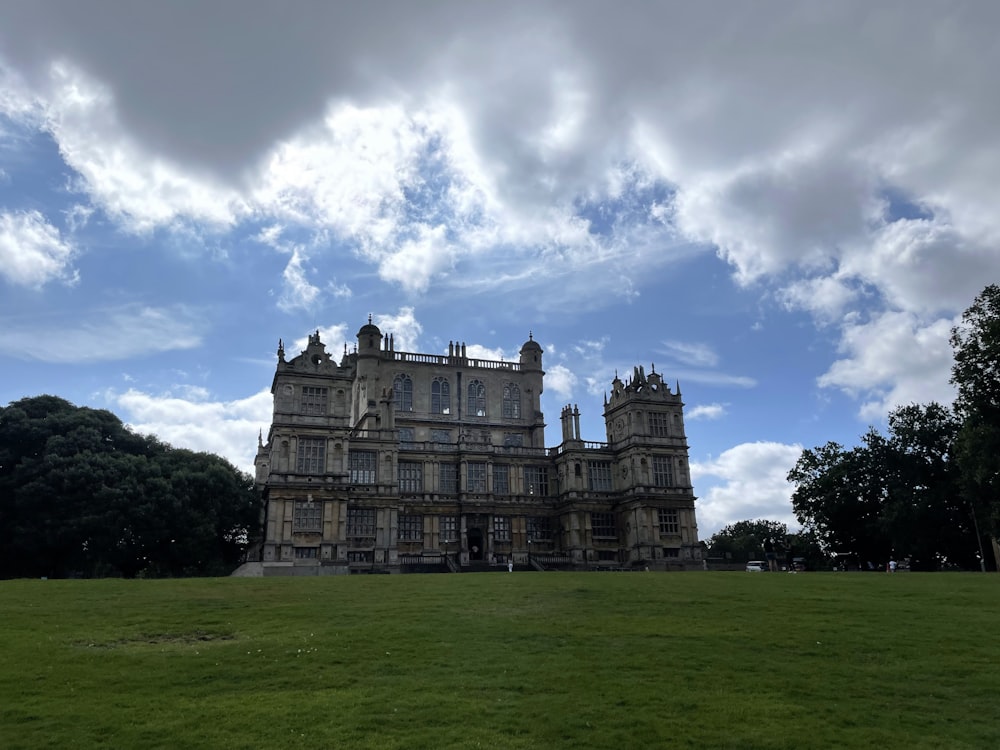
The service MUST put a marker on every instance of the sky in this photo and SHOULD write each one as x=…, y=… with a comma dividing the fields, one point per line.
x=783, y=206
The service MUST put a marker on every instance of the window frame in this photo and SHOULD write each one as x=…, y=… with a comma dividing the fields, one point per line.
x=440, y=396
x=475, y=476
x=411, y=477
x=402, y=392
x=476, y=404
x=669, y=521
x=310, y=455
x=603, y=525
x=511, y=401
x=663, y=471
x=307, y=516
x=410, y=527
x=599, y=477
x=314, y=400
x=358, y=472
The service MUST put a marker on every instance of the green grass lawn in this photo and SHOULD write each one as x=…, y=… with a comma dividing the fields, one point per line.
x=530, y=660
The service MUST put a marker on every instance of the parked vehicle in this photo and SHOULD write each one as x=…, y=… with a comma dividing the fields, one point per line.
x=757, y=566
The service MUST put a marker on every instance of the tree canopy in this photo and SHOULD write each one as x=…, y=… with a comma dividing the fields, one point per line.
x=930, y=490
x=82, y=495
x=976, y=375
x=892, y=496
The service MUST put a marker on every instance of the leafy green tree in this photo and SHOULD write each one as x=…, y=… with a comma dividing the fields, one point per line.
x=745, y=540
x=839, y=496
x=895, y=496
x=80, y=494
x=976, y=375
x=925, y=516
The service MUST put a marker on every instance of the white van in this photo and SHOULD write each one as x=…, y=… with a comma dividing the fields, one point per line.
x=757, y=566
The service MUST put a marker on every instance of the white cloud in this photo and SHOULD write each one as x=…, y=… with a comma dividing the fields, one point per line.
x=706, y=411
x=104, y=335
x=464, y=148
x=32, y=252
x=690, y=353
x=297, y=292
x=141, y=190
x=560, y=380
x=745, y=482
x=404, y=327
x=893, y=360
x=190, y=419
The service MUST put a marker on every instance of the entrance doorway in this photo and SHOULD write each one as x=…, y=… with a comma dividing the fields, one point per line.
x=475, y=537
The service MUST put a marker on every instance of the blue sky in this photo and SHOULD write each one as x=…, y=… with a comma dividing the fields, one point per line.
x=783, y=206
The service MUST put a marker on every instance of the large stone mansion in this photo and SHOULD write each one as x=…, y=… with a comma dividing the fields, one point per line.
x=392, y=461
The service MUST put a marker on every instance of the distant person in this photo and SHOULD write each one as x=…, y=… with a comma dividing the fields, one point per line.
x=510, y=566
x=772, y=563
x=892, y=566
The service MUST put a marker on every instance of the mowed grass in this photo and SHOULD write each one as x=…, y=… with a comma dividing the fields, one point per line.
x=529, y=660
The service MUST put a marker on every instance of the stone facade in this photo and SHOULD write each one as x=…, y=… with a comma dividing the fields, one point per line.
x=394, y=461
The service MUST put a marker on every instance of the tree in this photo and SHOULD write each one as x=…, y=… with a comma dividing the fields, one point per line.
x=744, y=540
x=976, y=375
x=839, y=495
x=80, y=494
x=892, y=496
x=925, y=516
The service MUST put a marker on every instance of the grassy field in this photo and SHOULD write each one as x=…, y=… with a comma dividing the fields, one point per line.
x=530, y=660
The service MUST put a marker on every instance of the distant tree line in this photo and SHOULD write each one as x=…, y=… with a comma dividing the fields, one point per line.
x=753, y=539
x=82, y=495
x=928, y=490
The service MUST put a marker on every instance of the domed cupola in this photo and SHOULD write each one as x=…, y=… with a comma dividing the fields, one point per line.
x=531, y=354
x=369, y=339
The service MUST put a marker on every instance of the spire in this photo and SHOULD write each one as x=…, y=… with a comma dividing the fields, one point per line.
x=678, y=388
x=281, y=350
x=369, y=318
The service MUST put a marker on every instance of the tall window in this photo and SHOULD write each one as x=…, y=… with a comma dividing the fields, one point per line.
x=539, y=529
x=311, y=458
x=411, y=478
x=663, y=471
x=477, y=399
x=361, y=523
x=501, y=479
x=603, y=525
x=440, y=396
x=536, y=480
x=449, y=478
x=668, y=522
x=449, y=528
x=599, y=475
x=501, y=528
x=477, y=477
x=307, y=516
x=411, y=528
x=313, y=400
x=402, y=392
x=659, y=424
x=511, y=401
x=362, y=467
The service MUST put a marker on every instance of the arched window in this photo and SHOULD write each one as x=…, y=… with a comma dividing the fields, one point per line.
x=440, y=396
x=511, y=401
x=477, y=399
x=402, y=392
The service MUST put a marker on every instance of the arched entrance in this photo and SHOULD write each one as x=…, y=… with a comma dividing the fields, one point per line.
x=475, y=540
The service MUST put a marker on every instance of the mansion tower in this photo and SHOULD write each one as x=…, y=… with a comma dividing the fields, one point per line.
x=393, y=461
